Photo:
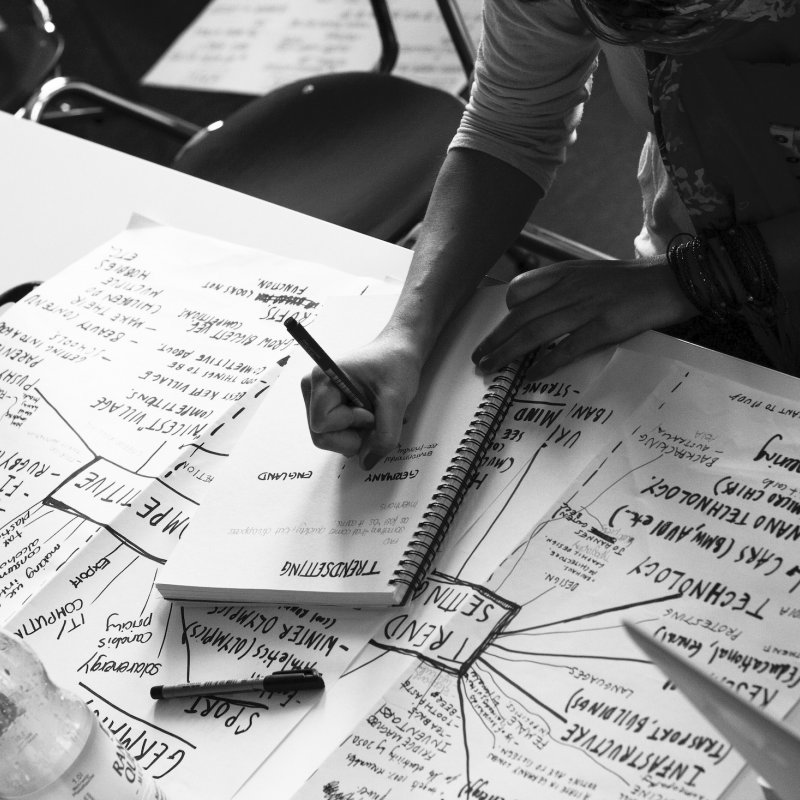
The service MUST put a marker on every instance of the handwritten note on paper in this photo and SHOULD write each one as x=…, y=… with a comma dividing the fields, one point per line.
x=113, y=371
x=552, y=431
x=685, y=526
x=251, y=47
x=125, y=382
x=102, y=631
x=553, y=428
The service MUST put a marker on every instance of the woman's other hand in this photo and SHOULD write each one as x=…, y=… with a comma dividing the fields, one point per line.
x=582, y=305
x=387, y=370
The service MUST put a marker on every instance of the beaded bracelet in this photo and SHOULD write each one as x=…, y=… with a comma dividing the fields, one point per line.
x=726, y=272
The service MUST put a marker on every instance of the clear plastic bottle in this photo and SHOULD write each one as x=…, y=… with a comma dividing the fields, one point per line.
x=52, y=747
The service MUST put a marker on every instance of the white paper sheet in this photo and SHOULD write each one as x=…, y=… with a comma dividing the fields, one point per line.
x=562, y=422
x=112, y=371
x=104, y=632
x=252, y=47
x=124, y=382
x=685, y=525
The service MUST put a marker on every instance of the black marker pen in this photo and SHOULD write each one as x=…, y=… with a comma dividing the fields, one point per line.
x=326, y=363
x=283, y=681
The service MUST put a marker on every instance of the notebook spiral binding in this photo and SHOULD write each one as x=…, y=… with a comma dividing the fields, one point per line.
x=427, y=539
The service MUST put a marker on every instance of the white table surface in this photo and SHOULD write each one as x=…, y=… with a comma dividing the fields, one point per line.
x=63, y=196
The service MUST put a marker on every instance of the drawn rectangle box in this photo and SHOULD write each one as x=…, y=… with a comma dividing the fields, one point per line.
x=448, y=624
x=144, y=513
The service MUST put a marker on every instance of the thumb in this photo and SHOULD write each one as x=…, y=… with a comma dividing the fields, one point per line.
x=385, y=435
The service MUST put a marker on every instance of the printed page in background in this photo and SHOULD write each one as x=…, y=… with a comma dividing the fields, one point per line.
x=251, y=47
x=552, y=431
x=115, y=369
x=295, y=523
x=685, y=526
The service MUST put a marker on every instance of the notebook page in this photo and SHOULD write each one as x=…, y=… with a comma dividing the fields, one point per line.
x=288, y=521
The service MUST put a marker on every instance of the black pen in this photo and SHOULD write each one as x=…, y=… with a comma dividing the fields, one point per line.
x=326, y=364
x=288, y=680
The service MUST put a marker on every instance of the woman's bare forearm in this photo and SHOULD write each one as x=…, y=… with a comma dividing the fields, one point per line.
x=477, y=208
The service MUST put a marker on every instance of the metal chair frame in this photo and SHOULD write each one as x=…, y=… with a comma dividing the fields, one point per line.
x=37, y=46
x=38, y=108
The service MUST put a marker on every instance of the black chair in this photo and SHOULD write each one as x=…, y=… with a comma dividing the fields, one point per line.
x=30, y=49
x=360, y=149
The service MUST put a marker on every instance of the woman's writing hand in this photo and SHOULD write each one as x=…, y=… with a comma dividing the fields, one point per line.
x=387, y=370
x=589, y=304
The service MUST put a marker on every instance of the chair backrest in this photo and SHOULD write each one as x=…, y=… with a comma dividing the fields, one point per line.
x=389, y=47
x=359, y=149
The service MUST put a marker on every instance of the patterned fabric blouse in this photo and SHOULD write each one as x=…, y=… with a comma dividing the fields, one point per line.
x=700, y=105
x=728, y=156
x=677, y=25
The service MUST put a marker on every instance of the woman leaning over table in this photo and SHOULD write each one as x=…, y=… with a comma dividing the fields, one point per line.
x=716, y=82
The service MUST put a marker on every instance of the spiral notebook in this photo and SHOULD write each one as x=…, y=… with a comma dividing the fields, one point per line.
x=286, y=522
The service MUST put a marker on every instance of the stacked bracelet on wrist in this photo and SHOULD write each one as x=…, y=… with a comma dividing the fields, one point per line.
x=726, y=273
